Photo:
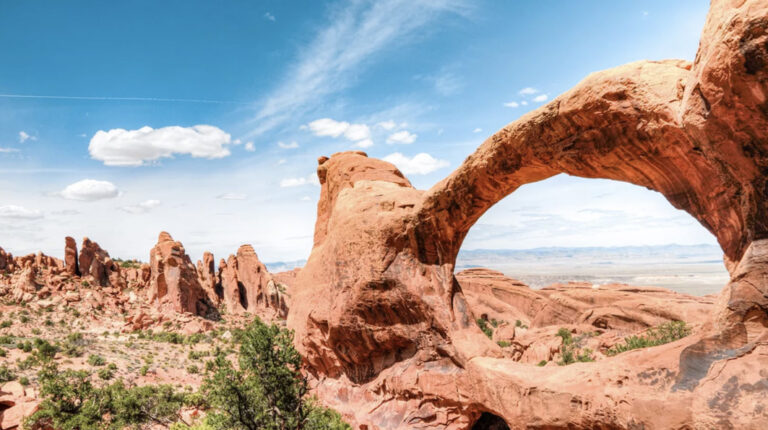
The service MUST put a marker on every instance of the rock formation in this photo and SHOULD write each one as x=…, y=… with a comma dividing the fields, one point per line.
x=247, y=286
x=621, y=307
x=206, y=272
x=95, y=262
x=6, y=260
x=173, y=283
x=70, y=256
x=385, y=328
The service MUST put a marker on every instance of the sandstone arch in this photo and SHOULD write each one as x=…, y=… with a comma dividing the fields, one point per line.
x=383, y=324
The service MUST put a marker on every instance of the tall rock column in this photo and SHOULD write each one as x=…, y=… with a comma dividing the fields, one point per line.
x=173, y=278
x=70, y=256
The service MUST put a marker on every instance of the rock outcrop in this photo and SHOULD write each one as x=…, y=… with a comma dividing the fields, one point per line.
x=70, y=256
x=173, y=278
x=387, y=332
x=247, y=286
x=6, y=260
x=96, y=263
x=206, y=272
x=625, y=308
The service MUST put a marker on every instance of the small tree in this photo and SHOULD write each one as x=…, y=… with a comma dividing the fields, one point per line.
x=267, y=391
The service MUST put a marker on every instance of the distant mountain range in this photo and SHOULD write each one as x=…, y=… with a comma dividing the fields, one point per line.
x=702, y=253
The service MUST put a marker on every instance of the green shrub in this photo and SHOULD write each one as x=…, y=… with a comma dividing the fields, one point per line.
x=6, y=324
x=193, y=369
x=45, y=350
x=106, y=373
x=503, y=343
x=269, y=380
x=542, y=363
x=144, y=369
x=24, y=319
x=73, y=345
x=665, y=333
x=570, y=350
x=483, y=324
x=6, y=374
x=72, y=402
x=24, y=381
x=96, y=360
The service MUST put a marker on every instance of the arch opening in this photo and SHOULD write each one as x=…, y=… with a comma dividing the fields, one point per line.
x=596, y=231
x=489, y=421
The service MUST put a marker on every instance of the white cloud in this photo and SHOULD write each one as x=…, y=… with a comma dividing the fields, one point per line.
x=269, y=17
x=142, y=207
x=24, y=136
x=366, y=143
x=291, y=145
x=477, y=130
x=512, y=104
x=232, y=196
x=403, y=137
x=90, y=190
x=359, y=133
x=419, y=164
x=524, y=103
x=249, y=147
x=328, y=127
x=540, y=98
x=8, y=150
x=119, y=147
x=527, y=91
x=19, y=212
x=282, y=161
x=331, y=62
x=297, y=182
x=387, y=125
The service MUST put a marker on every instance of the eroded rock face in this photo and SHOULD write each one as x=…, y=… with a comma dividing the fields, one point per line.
x=70, y=256
x=173, y=278
x=247, y=286
x=6, y=260
x=385, y=327
x=95, y=262
x=206, y=271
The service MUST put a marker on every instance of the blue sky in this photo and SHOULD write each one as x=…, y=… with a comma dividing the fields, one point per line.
x=205, y=119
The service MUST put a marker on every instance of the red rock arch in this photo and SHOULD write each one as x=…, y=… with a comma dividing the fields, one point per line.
x=382, y=321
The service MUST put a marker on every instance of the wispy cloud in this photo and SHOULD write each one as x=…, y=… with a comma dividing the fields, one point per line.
x=24, y=136
x=311, y=179
x=19, y=212
x=268, y=16
x=142, y=207
x=357, y=32
x=232, y=196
